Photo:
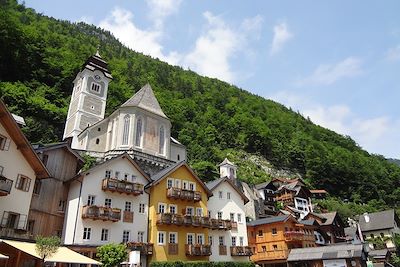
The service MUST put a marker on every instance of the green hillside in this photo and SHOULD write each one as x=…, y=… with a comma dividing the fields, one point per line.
x=40, y=56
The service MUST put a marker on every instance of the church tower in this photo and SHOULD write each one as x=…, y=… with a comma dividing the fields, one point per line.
x=227, y=169
x=89, y=96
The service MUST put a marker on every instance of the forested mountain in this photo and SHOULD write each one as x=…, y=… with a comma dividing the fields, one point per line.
x=40, y=56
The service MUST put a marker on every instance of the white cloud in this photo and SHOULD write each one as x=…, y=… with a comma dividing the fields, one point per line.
x=161, y=9
x=281, y=36
x=376, y=135
x=327, y=74
x=393, y=54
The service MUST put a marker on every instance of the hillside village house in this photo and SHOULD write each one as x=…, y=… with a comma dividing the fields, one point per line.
x=20, y=172
x=330, y=227
x=108, y=203
x=228, y=203
x=178, y=219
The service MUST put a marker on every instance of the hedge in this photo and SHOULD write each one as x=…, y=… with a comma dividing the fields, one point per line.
x=201, y=264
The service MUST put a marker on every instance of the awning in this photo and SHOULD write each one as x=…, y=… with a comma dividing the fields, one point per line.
x=3, y=256
x=63, y=254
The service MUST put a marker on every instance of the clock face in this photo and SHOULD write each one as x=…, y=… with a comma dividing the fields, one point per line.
x=97, y=77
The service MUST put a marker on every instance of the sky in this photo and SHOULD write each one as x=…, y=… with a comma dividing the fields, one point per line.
x=336, y=62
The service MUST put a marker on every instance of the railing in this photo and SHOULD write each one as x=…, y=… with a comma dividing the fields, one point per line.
x=187, y=220
x=294, y=236
x=172, y=249
x=198, y=250
x=270, y=255
x=144, y=248
x=222, y=250
x=101, y=213
x=183, y=194
x=221, y=224
x=121, y=186
x=241, y=251
x=5, y=185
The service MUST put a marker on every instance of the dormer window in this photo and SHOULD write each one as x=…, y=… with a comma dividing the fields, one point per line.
x=95, y=87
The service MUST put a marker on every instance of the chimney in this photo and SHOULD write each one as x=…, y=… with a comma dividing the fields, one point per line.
x=366, y=217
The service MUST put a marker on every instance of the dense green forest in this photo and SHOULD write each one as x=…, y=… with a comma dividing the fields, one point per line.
x=40, y=56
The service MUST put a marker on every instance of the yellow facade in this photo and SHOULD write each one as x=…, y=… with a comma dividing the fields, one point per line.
x=159, y=196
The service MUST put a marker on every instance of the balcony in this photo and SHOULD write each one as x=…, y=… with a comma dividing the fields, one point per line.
x=270, y=255
x=121, y=186
x=221, y=224
x=144, y=248
x=222, y=250
x=5, y=186
x=101, y=213
x=183, y=194
x=241, y=251
x=187, y=220
x=198, y=250
x=294, y=236
x=172, y=249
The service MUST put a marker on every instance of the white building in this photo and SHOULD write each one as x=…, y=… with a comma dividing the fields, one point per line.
x=107, y=203
x=228, y=203
x=20, y=168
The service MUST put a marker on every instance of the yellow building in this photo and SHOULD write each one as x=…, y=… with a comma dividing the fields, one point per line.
x=178, y=216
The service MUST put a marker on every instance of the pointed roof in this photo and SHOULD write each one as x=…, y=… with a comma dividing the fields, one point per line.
x=96, y=62
x=146, y=100
x=213, y=184
x=226, y=162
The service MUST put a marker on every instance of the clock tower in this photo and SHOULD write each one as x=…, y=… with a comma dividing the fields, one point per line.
x=89, y=96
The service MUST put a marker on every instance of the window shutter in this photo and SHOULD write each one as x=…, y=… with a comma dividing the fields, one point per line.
x=27, y=184
x=18, y=181
x=7, y=144
x=4, y=219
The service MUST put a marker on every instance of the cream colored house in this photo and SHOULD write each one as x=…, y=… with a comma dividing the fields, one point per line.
x=20, y=169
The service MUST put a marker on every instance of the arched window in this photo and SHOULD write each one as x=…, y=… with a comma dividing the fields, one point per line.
x=139, y=125
x=162, y=141
x=125, y=133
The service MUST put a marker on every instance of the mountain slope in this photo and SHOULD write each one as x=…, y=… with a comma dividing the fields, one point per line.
x=40, y=56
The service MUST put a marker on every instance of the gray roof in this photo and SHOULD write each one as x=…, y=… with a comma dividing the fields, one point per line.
x=226, y=161
x=337, y=251
x=308, y=222
x=269, y=220
x=213, y=184
x=330, y=217
x=377, y=221
x=350, y=231
x=159, y=175
x=378, y=253
x=262, y=185
x=146, y=100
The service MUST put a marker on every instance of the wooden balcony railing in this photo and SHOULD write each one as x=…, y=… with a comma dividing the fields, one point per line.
x=183, y=194
x=270, y=255
x=5, y=186
x=198, y=250
x=294, y=236
x=241, y=251
x=187, y=220
x=172, y=249
x=121, y=186
x=221, y=224
x=144, y=248
x=222, y=250
x=101, y=213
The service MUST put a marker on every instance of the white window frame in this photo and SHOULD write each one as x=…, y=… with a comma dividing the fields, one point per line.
x=126, y=130
x=104, y=235
x=189, y=208
x=163, y=205
x=140, y=236
x=233, y=241
x=108, y=202
x=199, y=211
x=210, y=240
x=126, y=233
x=192, y=186
x=185, y=185
x=142, y=208
x=87, y=232
x=175, y=234
x=91, y=200
x=220, y=194
x=128, y=206
x=170, y=180
x=177, y=183
x=221, y=240
x=239, y=218
x=241, y=241
x=164, y=237
x=202, y=239
x=193, y=238
x=108, y=174
x=228, y=195
x=97, y=86
x=175, y=207
x=232, y=216
x=220, y=213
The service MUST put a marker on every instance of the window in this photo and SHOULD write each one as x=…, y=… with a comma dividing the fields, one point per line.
x=128, y=206
x=232, y=217
x=233, y=241
x=184, y=185
x=108, y=174
x=140, y=236
x=126, y=236
x=4, y=143
x=104, y=235
x=264, y=248
x=31, y=225
x=209, y=213
x=241, y=241
x=210, y=240
x=61, y=205
x=170, y=183
x=192, y=186
x=162, y=141
x=23, y=183
x=189, y=239
x=231, y=173
x=228, y=195
x=95, y=87
x=97, y=141
x=173, y=238
x=177, y=183
x=133, y=178
x=200, y=239
x=90, y=200
x=219, y=215
x=141, y=208
x=172, y=209
x=107, y=202
x=275, y=247
x=161, y=238
x=161, y=208
x=221, y=241
x=239, y=217
x=86, y=233
x=189, y=211
x=125, y=132
x=178, y=157
x=220, y=194
x=260, y=233
x=36, y=187
x=45, y=158
x=274, y=232
x=138, y=139
x=199, y=211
